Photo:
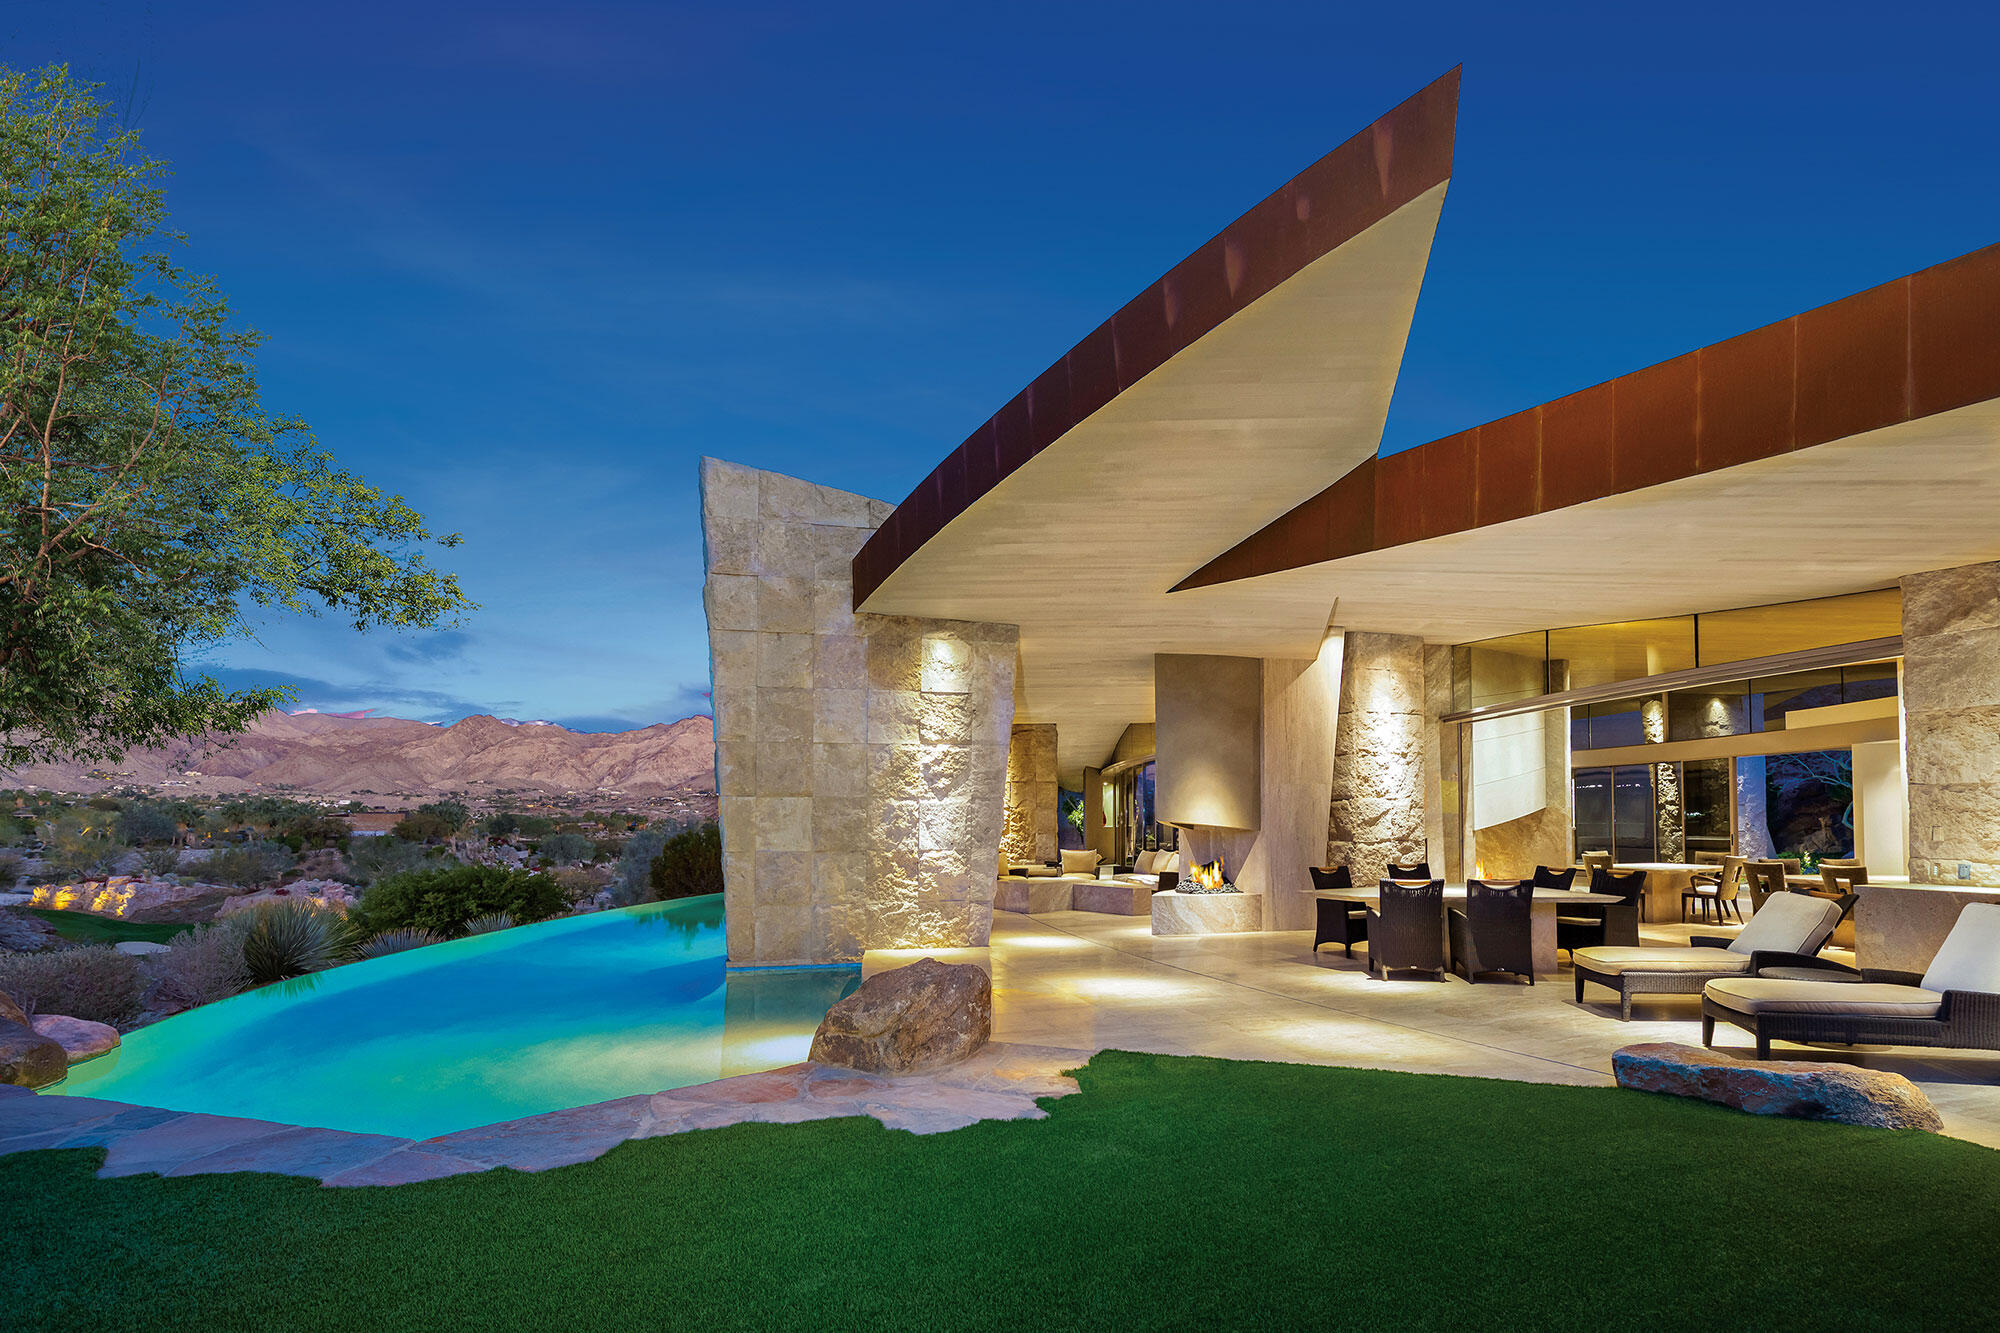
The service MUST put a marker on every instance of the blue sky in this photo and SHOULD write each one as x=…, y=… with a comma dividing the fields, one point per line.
x=525, y=264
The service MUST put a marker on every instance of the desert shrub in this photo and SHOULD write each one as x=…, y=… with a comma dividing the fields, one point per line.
x=443, y=900
x=141, y=824
x=291, y=939
x=632, y=881
x=578, y=882
x=12, y=866
x=97, y=983
x=80, y=847
x=200, y=966
x=565, y=847
x=394, y=941
x=160, y=860
x=688, y=864
x=103, y=803
x=377, y=858
x=248, y=865
x=486, y=925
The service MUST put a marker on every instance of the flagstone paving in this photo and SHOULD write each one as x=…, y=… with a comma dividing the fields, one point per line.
x=1001, y=1082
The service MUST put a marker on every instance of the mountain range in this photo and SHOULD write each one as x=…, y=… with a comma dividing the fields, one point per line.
x=347, y=755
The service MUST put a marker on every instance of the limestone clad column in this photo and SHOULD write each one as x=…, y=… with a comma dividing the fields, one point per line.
x=1377, y=813
x=861, y=760
x=1951, y=723
x=1029, y=835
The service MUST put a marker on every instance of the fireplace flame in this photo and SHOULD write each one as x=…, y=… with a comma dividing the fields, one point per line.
x=1210, y=875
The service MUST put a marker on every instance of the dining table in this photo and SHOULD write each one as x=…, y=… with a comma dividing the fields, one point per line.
x=1546, y=906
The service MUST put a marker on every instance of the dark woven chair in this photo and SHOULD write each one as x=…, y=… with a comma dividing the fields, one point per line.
x=1342, y=921
x=1955, y=1003
x=1494, y=931
x=1406, y=931
x=1589, y=926
x=1415, y=870
x=1548, y=877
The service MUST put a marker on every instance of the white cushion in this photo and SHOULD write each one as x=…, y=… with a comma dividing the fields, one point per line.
x=1039, y=872
x=1617, y=959
x=1788, y=923
x=1080, y=862
x=1762, y=995
x=1144, y=865
x=1969, y=958
x=1150, y=881
x=1167, y=861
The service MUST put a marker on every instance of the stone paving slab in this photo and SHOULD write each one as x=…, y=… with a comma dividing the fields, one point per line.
x=1001, y=1082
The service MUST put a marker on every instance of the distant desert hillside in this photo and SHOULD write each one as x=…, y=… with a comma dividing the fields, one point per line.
x=334, y=755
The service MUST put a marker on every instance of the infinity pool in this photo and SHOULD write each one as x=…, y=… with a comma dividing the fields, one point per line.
x=480, y=1030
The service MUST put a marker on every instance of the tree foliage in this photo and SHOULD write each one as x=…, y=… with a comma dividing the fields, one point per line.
x=149, y=504
x=445, y=900
x=688, y=864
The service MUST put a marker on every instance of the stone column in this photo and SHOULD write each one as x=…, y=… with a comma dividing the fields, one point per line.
x=1951, y=723
x=1029, y=834
x=861, y=760
x=1377, y=812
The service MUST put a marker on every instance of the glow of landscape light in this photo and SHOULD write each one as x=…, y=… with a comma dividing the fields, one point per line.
x=1130, y=988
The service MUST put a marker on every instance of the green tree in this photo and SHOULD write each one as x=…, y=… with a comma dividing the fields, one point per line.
x=445, y=899
x=688, y=864
x=147, y=824
x=565, y=847
x=149, y=504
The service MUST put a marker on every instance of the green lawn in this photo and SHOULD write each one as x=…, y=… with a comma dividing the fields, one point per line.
x=88, y=929
x=1173, y=1192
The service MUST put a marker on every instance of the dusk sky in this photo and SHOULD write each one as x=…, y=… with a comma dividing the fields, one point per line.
x=525, y=264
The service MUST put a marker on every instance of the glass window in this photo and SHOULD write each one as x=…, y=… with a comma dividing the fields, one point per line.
x=1809, y=800
x=1773, y=697
x=1630, y=650
x=1633, y=826
x=1869, y=680
x=1789, y=627
x=1718, y=710
x=1614, y=722
x=1500, y=671
x=1705, y=810
x=1593, y=810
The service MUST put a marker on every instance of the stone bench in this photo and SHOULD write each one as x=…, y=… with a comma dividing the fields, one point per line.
x=1114, y=896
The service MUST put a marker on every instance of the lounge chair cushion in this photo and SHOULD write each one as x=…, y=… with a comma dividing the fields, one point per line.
x=1617, y=959
x=1079, y=863
x=1969, y=958
x=1143, y=864
x=1167, y=861
x=1788, y=923
x=1763, y=995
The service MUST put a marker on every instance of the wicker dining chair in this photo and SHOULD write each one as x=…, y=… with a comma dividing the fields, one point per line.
x=1718, y=898
x=1415, y=870
x=1406, y=929
x=1763, y=878
x=1494, y=931
x=1342, y=921
x=1589, y=927
x=1548, y=877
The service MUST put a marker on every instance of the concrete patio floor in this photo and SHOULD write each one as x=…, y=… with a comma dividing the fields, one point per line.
x=1088, y=981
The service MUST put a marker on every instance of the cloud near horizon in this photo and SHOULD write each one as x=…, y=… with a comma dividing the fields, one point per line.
x=397, y=700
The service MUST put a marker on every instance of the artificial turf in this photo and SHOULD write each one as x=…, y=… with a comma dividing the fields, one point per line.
x=1173, y=1192
x=87, y=929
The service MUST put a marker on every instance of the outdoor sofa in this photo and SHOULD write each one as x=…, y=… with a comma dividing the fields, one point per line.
x=1790, y=923
x=1955, y=1003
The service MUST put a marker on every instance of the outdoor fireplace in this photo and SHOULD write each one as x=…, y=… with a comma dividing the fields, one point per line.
x=1207, y=879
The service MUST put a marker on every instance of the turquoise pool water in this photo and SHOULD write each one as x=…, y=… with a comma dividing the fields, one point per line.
x=479, y=1030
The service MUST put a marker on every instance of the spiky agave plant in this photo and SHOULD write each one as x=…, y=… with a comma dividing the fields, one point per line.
x=292, y=939
x=386, y=942
x=486, y=925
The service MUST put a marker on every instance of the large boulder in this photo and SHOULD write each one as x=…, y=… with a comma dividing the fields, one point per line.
x=29, y=1059
x=80, y=1038
x=11, y=1012
x=909, y=1019
x=1800, y=1088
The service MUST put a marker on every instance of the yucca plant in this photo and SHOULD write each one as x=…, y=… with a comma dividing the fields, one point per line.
x=292, y=939
x=486, y=925
x=394, y=941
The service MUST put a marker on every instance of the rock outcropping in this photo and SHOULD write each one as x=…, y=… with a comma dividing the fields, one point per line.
x=79, y=1038
x=924, y=1016
x=1798, y=1088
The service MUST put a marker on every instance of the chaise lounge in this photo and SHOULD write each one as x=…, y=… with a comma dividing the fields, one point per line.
x=1791, y=924
x=1955, y=1003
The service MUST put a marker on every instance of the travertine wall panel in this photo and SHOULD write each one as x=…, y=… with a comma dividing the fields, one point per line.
x=861, y=760
x=1951, y=723
x=1377, y=812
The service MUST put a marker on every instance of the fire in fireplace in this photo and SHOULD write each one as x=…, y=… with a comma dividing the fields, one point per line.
x=1208, y=879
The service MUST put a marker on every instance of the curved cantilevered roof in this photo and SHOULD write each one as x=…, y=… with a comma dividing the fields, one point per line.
x=1256, y=371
